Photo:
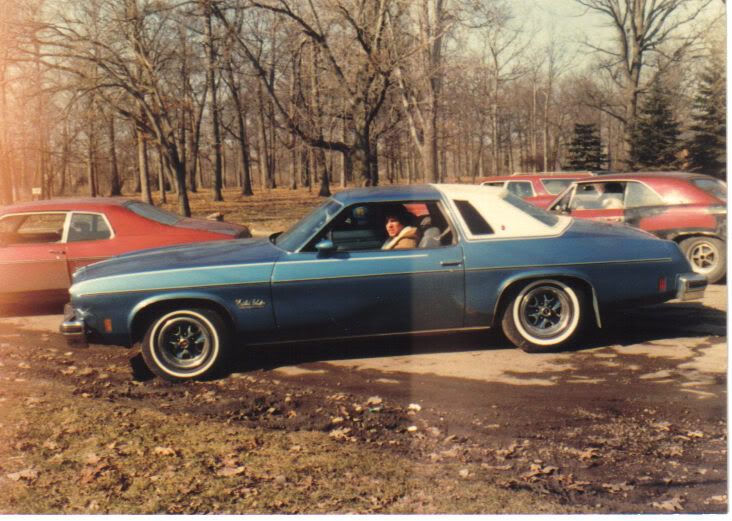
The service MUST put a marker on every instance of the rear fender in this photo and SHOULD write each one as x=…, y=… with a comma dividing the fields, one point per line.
x=565, y=275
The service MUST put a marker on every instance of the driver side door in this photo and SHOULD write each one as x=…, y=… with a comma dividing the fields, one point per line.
x=33, y=264
x=359, y=289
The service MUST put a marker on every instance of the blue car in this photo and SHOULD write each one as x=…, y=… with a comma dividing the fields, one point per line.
x=477, y=258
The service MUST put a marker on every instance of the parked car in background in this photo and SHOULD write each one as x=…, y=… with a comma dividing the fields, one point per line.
x=690, y=209
x=43, y=242
x=485, y=258
x=538, y=189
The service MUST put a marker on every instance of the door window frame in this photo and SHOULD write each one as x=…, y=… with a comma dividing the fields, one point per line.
x=64, y=232
x=67, y=227
x=309, y=246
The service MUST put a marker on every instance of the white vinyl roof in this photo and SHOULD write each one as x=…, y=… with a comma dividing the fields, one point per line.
x=507, y=220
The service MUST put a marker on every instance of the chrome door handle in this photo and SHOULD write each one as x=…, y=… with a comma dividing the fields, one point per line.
x=451, y=263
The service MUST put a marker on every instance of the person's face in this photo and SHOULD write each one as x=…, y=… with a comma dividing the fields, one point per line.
x=393, y=226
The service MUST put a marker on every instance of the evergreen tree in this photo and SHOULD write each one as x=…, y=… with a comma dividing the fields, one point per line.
x=708, y=144
x=654, y=141
x=585, y=149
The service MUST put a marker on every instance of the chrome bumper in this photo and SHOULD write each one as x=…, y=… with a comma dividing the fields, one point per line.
x=691, y=286
x=72, y=328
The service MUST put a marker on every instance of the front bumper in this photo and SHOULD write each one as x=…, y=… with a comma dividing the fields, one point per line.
x=73, y=328
x=691, y=286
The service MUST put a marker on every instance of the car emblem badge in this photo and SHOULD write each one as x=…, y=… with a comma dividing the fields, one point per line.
x=250, y=303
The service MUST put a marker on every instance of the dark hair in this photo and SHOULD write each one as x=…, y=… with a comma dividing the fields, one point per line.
x=398, y=212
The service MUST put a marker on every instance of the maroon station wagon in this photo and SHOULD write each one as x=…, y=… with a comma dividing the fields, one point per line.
x=538, y=189
x=688, y=208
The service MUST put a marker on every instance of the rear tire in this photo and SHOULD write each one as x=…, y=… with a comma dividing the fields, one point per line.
x=186, y=344
x=707, y=256
x=544, y=315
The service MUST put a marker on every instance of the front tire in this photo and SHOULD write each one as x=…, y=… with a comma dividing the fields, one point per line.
x=544, y=315
x=186, y=344
x=707, y=256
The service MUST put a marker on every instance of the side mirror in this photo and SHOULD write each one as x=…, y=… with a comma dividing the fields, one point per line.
x=325, y=247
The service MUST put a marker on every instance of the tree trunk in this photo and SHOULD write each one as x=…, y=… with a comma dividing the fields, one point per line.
x=115, y=187
x=215, y=125
x=324, y=174
x=161, y=177
x=90, y=159
x=142, y=167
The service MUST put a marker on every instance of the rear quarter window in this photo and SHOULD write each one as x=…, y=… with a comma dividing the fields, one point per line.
x=152, y=213
x=713, y=187
x=473, y=220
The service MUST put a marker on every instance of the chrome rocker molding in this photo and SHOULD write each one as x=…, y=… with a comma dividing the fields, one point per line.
x=691, y=286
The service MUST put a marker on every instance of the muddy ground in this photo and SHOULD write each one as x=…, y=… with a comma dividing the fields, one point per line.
x=633, y=421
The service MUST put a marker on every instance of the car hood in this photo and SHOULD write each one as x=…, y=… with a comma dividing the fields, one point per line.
x=183, y=256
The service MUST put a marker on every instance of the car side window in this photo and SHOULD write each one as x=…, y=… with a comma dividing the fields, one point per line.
x=638, y=194
x=362, y=227
x=473, y=220
x=520, y=188
x=88, y=227
x=599, y=196
x=35, y=228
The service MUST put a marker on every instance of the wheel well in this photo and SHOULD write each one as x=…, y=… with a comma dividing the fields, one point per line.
x=146, y=315
x=679, y=238
x=575, y=282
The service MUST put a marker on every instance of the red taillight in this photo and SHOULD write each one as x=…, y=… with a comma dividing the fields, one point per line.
x=661, y=284
x=107, y=325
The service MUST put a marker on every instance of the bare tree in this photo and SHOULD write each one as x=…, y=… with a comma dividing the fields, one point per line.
x=360, y=74
x=642, y=28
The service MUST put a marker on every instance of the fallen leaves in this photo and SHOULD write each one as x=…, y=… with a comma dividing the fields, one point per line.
x=616, y=488
x=537, y=470
x=662, y=426
x=672, y=505
x=228, y=472
x=27, y=475
x=340, y=434
x=92, y=472
x=164, y=451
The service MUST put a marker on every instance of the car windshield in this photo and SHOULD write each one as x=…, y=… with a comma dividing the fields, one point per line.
x=537, y=213
x=554, y=186
x=154, y=214
x=308, y=226
x=713, y=187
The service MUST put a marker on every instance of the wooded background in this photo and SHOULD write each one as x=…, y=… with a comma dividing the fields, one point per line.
x=168, y=96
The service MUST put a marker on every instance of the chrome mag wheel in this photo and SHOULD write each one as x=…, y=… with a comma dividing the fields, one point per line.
x=545, y=311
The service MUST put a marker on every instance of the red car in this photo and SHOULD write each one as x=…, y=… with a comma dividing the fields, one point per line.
x=42, y=243
x=538, y=189
x=688, y=208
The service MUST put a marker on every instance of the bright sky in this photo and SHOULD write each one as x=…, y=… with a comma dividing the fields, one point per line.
x=572, y=23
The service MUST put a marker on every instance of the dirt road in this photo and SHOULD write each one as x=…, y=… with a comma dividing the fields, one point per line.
x=634, y=421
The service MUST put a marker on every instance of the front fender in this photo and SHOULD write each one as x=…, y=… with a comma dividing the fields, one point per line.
x=564, y=274
x=188, y=295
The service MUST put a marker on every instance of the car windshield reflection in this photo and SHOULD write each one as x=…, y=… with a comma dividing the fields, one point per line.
x=306, y=228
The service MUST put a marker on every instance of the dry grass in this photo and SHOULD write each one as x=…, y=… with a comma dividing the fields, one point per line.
x=83, y=455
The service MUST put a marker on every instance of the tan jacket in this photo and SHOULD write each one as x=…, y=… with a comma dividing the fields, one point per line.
x=406, y=239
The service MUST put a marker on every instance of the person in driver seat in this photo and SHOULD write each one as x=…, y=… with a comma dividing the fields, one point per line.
x=402, y=235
